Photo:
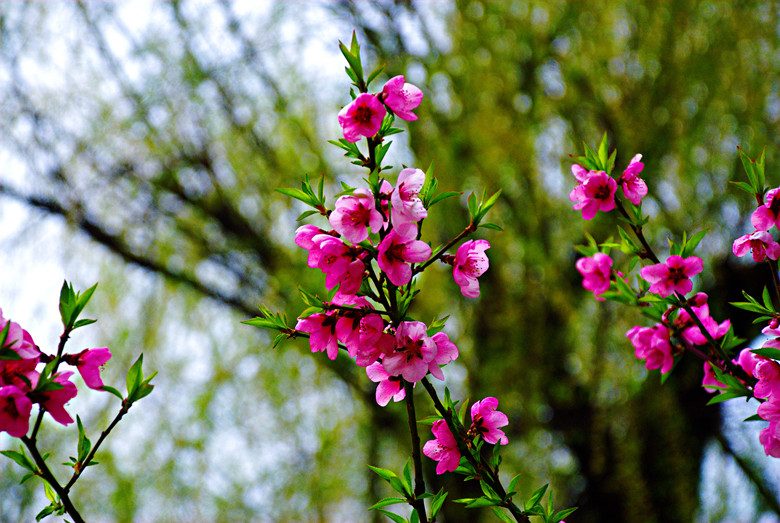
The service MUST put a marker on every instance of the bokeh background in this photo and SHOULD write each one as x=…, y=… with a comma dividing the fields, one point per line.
x=141, y=143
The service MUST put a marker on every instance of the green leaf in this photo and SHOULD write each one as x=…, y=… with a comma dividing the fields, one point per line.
x=406, y=479
x=767, y=352
x=113, y=391
x=50, y=494
x=20, y=458
x=603, y=153
x=513, y=484
x=82, y=323
x=437, y=502
x=745, y=187
x=443, y=196
x=500, y=514
x=385, y=502
x=394, y=517
x=374, y=74
x=720, y=398
x=385, y=474
x=754, y=417
x=767, y=299
x=536, y=496
x=491, y=226
x=562, y=514
x=84, y=445
x=135, y=376
x=437, y=325
x=472, y=205
x=45, y=512
x=481, y=502
x=691, y=244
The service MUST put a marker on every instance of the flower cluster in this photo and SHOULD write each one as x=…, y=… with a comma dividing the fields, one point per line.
x=486, y=423
x=595, y=190
x=22, y=385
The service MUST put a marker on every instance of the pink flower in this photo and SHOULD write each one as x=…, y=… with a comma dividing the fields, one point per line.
x=748, y=361
x=340, y=264
x=770, y=409
x=673, y=275
x=88, y=364
x=652, y=345
x=768, y=214
x=471, y=262
x=405, y=200
x=446, y=351
x=363, y=117
x=768, y=374
x=692, y=333
x=354, y=213
x=760, y=242
x=414, y=351
x=443, y=449
x=401, y=97
x=322, y=330
x=373, y=340
x=596, y=272
x=595, y=193
x=395, y=251
x=15, y=408
x=304, y=238
x=18, y=339
x=770, y=439
x=348, y=324
x=486, y=420
x=634, y=187
x=390, y=387
x=710, y=381
x=54, y=400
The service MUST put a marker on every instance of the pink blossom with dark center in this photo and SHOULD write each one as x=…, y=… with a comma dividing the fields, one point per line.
x=634, y=187
x=340, y=263
x=760, y=243
x=652, y=345
x=374, y=341
x=443, y=449
x=394, y=253
x=471, y=262
x=595, y=193
x=322, y=330
x=596, y=272
x=748, y=360
x=486, y=420
x=770, y=439
x=405, y=200
x=304, y=238
x=88, y=364
x=768, y=214
x=390, y=387
x=402, y=98
x=770, y=409
x=18, y=339
x=15, y=408
x=354, y=214
x=348, y=324
x=673, y=275
x=363, y=117
x=414, y=351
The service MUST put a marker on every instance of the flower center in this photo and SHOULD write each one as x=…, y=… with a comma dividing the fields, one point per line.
x=363, y=114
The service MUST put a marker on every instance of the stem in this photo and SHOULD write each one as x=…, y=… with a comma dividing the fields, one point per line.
x=486, y=473
x=51, y=480
x=60, y=349
x=638, y=233
x=419, y=481
x=83, y=465
x=468, y=230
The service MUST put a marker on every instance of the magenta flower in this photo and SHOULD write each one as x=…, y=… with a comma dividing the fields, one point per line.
x=596, y=272
x=768, y=374
x=446, y=351
x=88, y=363
x=691, y=331
x=748, y=360
x=770, y=409
x=673, y=275
x=486, y=420
x=768, y=214
x=304, y=238
x=414, y=351
x=634, y=187
x=710, y=381
x=354, y=213
x=54, y=400
x=596, y=193
x=363, y=117
x=652, y=345
x=322, y=330
x=471, y=262
x=402, y=98
x=340, y=263
x=443, y=449
x=373, y=340
x=15, y=408
x=394, y=253
x=770, y=439
x=405, y=200
x=390, y=387
x=19, y=339
x=760, y=242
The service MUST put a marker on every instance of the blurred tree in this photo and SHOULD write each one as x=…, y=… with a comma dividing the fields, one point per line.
x=161, y=129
